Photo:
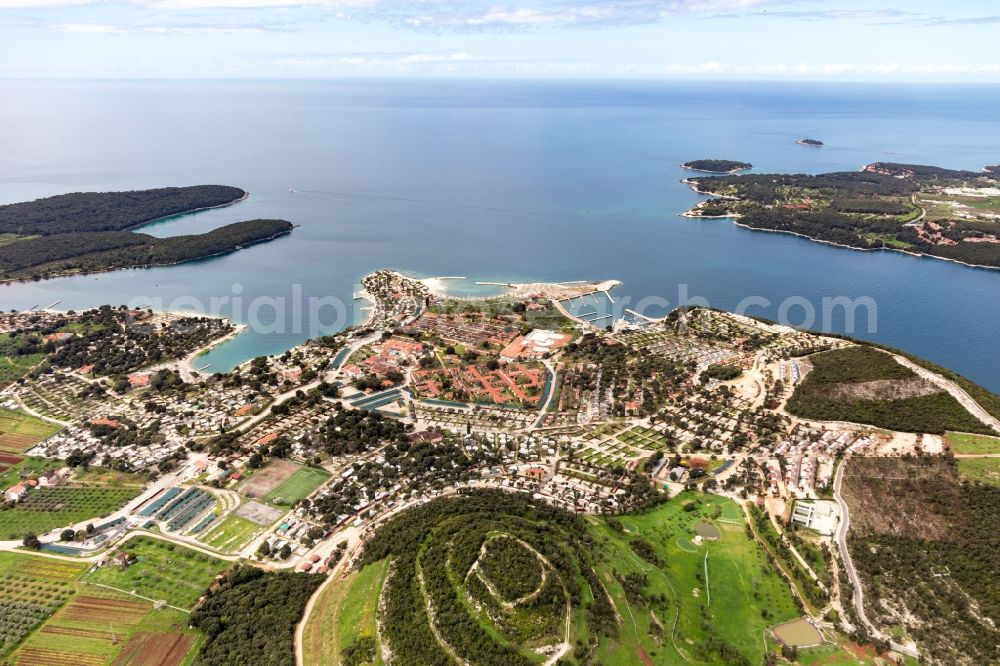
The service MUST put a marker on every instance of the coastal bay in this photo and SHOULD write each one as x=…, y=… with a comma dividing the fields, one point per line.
x=404, y=176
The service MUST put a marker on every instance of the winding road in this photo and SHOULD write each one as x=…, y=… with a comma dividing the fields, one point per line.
x=845, y=556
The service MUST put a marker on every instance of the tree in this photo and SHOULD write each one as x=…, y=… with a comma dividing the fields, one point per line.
x=31, y=541
x=286, y=552
x=67, y=535
x=264, y=550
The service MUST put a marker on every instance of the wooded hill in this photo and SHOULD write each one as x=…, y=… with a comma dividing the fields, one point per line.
x=864, y=385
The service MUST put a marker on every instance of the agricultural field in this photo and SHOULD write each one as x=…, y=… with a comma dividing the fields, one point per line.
x=645, y=588
x=19, y=431
x=344, y=616
x=298, y=486
x=162, y=571
x=31, y=589
x=99, y=627
x=962, y=443
x=161, y=648
x=231, y=534
x=45, y=509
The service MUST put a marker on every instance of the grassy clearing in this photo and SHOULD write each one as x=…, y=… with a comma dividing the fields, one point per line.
x=298, y=486
x=232, y=534
x=964, y=443
x=983, y=470
x=107, y=477
x=344, y=612
x=163, y=570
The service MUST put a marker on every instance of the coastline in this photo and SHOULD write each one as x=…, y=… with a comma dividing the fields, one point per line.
x=696, y=185
x=919, y=255
x=55, y=276
x=155, y=220
x=238, y=330
x=693, y=184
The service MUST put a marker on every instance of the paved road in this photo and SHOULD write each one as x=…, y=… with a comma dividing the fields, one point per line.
x=845, y=556
x=552, y=392
x=955, y=390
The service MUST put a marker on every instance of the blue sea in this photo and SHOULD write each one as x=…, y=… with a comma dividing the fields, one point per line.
x=503, y=181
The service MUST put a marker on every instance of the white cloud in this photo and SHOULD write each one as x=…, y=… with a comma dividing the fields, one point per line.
x=828, y=69
x=376, y=62
x=583, y=13
x=112, y=29
x=252, y=4
x=461, y=56
x=192, y=4
x=41, y=4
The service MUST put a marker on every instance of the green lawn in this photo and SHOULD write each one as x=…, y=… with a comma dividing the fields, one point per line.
x=984, y=470
x=232, y=533
x=166, y=571
x=964, y=443
x=45, y=509
x=741, y=584
x=298, y=486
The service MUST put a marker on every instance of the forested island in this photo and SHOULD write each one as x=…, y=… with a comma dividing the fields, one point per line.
x=110, y=211
x=925, y=210
x=90, y=232
x=810, y=142
x=717, y=166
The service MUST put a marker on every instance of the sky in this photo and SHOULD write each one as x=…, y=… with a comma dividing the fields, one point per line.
x=869, y=40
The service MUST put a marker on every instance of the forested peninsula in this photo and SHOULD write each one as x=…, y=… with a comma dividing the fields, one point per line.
x=90, y=232
x=924, y=210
